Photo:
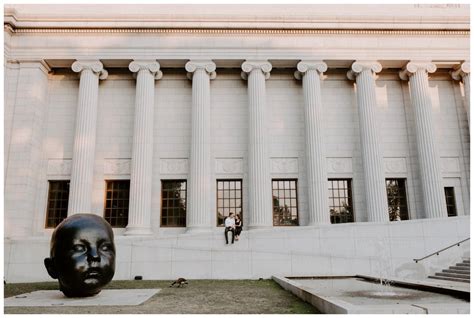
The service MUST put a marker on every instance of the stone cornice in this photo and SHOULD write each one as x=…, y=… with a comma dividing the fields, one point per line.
x=461, y=71
x=250, y=65
x=304, y=66
x=359, y=66
x=414, y=66
x=94, y=65
x=208, y=65
x=150, y=65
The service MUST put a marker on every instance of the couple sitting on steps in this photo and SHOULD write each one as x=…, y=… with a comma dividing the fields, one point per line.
x=234, y=225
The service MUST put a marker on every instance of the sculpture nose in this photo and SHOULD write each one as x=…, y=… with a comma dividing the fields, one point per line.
x=93, y=255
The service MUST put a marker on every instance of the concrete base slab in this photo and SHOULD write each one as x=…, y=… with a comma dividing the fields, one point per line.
x=107, y=297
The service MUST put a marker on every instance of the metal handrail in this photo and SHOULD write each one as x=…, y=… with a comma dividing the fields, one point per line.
x=441, y=250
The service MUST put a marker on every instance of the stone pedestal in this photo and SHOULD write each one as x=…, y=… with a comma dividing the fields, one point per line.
x=259, y=182
x=82, y=170
x=139, y=214
x=372, y=157
x=310, y=72
x=431, y=182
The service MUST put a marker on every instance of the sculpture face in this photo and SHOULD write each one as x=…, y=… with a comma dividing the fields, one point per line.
x=82, y=255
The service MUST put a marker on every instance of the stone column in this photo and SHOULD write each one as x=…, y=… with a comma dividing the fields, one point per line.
x=259, y=186
x=309, y=72
x=27, y=104
x=82, y=170
x=139, y=212
x=463, y=73
x=199, y=205
x=363, y=72
x=431, y=182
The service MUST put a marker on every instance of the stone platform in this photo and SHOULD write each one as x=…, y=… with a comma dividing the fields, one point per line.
x=107, y=297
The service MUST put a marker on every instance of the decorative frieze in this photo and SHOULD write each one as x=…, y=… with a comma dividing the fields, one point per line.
x=59, y=167
x=284, y=165
x=450, y=165
x=117, y=166
x=229, y=165
x=395, y=165
x=339, y=165
x=174, y=166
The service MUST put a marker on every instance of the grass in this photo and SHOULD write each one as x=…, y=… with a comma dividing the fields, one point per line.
x=199, y=297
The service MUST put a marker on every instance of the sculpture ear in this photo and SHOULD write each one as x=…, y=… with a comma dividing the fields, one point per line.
x=50, y=267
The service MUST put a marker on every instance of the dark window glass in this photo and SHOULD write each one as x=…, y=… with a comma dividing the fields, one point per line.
x=340, y=201
x=58, y=198
x=173, y=203
x=285, y=203
x=116, y=202
x=397, y=199
x=450, y=201
x=229, y=199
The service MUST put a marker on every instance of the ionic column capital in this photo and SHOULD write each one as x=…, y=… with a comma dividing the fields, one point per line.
x=251, y=65
x=151, y=66
x=206, y=65
x=95, y=66
x=416, y=66
x=305, y=66
x=359, y=66
x=461, y=70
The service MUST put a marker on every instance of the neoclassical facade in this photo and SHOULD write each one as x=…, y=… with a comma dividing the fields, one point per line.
x=327, y=131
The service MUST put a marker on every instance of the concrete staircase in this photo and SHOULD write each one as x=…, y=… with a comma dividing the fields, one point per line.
x=461, y=272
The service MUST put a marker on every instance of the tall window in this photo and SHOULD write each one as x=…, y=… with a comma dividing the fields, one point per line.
x=285, y=203
x=229, y=199
x=340, y=201
x=397, y=199
x=58, y=198
x=173, y=203
x=450, y=201
x=116, y=202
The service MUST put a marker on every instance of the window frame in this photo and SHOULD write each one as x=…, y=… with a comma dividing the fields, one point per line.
x=350, y=197
x=404, y=180
x=48, y=199
x=105, y=203
x=454, y=201
x=241, y=200
x=290, y=198
x=185, y=205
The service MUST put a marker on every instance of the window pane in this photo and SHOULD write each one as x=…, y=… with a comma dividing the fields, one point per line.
x=397, y=199
x=116, y=202
x=58, y=198
x=340, y=200
x=173, y=203
x=450, y=201
x=229, y=194
x=285, y=204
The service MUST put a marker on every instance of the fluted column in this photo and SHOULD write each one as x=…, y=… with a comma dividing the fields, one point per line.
x=372, y=157
x=260, y=196
x=463, y=73
x=431, y=182
x=199, y=204
x=82, y=170
x=309, y=72
x=139, y=212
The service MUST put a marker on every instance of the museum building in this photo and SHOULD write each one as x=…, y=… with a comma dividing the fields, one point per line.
x=328, y=131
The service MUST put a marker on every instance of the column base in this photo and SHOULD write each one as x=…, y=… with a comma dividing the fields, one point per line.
x=138, y=231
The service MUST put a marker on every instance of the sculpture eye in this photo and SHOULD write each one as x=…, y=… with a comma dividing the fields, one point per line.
x=78, y=248
x=106, y=247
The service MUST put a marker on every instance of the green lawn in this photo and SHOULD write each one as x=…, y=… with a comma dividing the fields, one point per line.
x=199, y=297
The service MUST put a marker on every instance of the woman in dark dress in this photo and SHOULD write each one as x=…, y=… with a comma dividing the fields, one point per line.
x=238, y=226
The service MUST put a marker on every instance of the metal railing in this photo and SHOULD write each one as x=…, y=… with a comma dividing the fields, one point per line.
x=441, y=250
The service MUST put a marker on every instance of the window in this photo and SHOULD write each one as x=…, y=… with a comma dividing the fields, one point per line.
x=58, y=198
x=397, y=199
x=229, y=199
x=173, y=203
x=340, y=201
x=116, y=202
x=285, y=203
x=450, y=201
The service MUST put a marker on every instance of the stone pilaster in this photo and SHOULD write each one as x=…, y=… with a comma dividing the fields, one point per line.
x=463, y=73
x=139, y=214
x=431, y=182
x=310, y=72
x=28, y=116
x=260, y=196
x=372, y=157
x=82, y=170
x=199, y=204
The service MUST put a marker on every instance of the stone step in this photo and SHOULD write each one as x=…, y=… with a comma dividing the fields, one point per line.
x=466, y=262
x=454, y=271
x=451, y=279
x=460, y=268
x=463, y=264
x=454, y=275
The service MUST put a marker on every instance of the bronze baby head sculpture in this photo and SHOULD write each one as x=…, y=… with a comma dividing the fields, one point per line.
x=82, y=255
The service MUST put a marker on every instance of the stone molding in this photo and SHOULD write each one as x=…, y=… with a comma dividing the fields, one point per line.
x=304, y=66
x=174, y=166
x=116, y=166
x=359, y=66
x=95, y=66
x=460, y=71
x=39, y=64
x=149, y=65
x=208, y=65
x=229, y=165
x=59, y=167
x=251, y=65
x=284, y=165
x=339, y=165
x=395, y=165
x=414, y=66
